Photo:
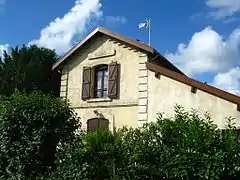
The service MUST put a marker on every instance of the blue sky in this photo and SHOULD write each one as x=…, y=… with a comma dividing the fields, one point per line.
x=201, y=37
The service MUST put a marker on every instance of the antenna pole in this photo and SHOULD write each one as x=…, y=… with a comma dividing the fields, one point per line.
x=149, y=31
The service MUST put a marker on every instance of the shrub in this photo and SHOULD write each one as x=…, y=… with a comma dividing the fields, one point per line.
x=31, y=126
x=96, y=155
x=185, y=146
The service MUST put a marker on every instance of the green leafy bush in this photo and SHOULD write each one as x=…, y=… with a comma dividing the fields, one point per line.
x=194, y=147
x=31, y=126
x=96, y=155
x=185, y=146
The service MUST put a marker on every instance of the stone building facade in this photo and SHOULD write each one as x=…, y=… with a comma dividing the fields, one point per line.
x=114, y=81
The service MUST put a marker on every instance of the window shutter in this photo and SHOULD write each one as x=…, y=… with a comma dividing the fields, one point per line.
x=86, y=83
x=92, y=83
x=113, y=80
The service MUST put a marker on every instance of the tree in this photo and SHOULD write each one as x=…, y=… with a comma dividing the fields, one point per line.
x=32, y=125
x=28, y=68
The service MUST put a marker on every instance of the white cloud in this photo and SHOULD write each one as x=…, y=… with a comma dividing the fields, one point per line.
x=2, y=48
x=223, y=8
x=229, y=81
x=112, y=20
x=207, y=51
x=60, y=33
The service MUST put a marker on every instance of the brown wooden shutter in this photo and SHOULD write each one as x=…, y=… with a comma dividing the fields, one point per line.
x=92, y=83
x=113, y=80
x=86, y=83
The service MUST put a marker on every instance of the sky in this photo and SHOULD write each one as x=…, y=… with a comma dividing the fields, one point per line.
x=201, y=37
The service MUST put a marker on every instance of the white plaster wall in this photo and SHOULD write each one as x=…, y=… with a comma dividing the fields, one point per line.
x=125, y=108
x=164, y=93
x=118, y=116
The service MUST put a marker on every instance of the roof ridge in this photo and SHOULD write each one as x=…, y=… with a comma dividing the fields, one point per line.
x=107, y=32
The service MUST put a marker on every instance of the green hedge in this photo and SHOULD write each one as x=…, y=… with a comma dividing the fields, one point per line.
x=185, y=146
x=39, y=141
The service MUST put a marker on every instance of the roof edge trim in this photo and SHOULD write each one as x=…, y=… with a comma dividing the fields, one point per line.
x=191, y=82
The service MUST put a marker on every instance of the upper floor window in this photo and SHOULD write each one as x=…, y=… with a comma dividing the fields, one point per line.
x=101, y=81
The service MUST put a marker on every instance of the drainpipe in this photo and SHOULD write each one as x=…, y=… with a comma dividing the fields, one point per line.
x=114, y=128
x=114, y=132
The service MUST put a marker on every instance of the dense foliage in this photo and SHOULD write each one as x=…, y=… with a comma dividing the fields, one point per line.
x=93, y=156
x=28, y=68
x=31, y=126
x=185, y=146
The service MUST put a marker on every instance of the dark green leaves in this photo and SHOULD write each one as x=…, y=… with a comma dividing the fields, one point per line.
x=31, y=126
x=184, y=146
x=27, y=69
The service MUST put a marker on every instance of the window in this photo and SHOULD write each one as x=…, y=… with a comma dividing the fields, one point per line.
x=96, y=123
x=101, y=82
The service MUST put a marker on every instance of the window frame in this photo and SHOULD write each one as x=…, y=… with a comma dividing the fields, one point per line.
x=104, y=70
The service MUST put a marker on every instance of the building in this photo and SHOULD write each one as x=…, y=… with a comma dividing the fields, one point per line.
x=115, y=81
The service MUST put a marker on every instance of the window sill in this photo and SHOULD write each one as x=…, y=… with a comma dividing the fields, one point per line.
x=99, y=100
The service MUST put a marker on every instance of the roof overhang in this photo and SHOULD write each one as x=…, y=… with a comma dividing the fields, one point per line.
x=111, y=34
x=191, y=82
